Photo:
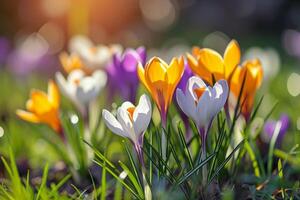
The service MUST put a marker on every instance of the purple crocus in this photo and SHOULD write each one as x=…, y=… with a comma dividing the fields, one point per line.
x=269, y=129
x=4, y=49
x=122, y=74
x=185, y=77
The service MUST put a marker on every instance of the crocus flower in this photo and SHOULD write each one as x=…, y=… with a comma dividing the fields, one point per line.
x=209, y=64
x=81, y=88
x=161, y=79
x=122, y=73
x=93, y=56
x=269, y=129
x=31, y=54
x=70, y=62
x=43, y=108
x=132, y=121
x=252, y=72
x=269, y=58
x=202, y=103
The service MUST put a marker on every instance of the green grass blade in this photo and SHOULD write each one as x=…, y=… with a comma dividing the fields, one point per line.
x=44, y=180
x=224, y=163
x=195, y=169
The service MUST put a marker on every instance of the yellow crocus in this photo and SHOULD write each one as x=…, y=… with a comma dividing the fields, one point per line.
x=161, y=79
x=43, y=107
x=252, y=71
x=209, y=64
x=70, y=62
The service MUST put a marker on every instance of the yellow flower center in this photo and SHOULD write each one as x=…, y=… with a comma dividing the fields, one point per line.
x=93, y=50
x=76, y=81
x=130, y=111
x=199, y=92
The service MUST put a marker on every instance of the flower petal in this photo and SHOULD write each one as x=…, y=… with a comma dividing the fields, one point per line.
x=127, y=105
x=130, y=60
x=28, y=116
x=100, y=78
x=187, y=105
x=87, y=90
x=40, y=102
x=53, y=94
x=220, y=96
x=194, y=83
x=142, y=115
x=142, y=53
x=156, y=70
x=141, y=75
x=202, y=111
x=112, y=123
x=211, y=60
x=232, y=57
x=126, y=123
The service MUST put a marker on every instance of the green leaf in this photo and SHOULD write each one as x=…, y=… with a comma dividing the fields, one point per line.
x=44, y=180
x=133, y=179
x=185, y=147
x=195, y=169
x=224, y=163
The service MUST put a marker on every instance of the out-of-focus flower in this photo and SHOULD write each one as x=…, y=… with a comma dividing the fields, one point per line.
x=93, y=56
x=122, y=73
x=70, y=62
x=209, y=64
x=269, y=59
x=4, y=49
x=201, y=102
x=81, y=88
x=31, y=54
x=132, y=121
x=291, y=42
x=161, y=79
x=252, y=72
x=269, y=129
x=43, y=108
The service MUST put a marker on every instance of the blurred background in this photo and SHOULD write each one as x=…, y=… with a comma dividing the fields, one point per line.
x=34, y=32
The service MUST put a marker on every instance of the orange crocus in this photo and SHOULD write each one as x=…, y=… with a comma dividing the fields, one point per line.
x=43, y=108
x=252, y=72
x=161, y=79
x=209, y=64
x=70, y=62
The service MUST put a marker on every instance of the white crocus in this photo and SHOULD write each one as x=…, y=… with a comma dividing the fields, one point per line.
x=131, y=122
x=93, y=56
x=202, y=103
x=81, y=88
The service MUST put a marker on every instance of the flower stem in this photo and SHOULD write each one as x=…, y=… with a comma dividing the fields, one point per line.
x=204, y=168
x=87, y=133
x=147, y=189
x=203, y=132
x=163, y=135
x=228, y=119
